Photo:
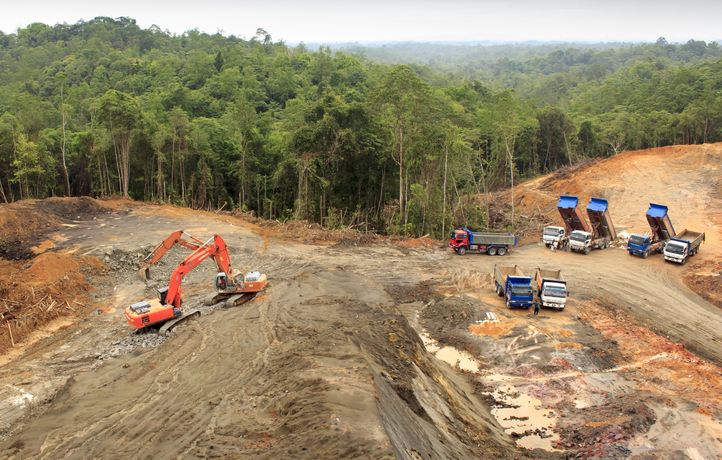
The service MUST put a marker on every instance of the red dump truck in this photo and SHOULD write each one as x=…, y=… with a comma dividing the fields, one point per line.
x=463, y=240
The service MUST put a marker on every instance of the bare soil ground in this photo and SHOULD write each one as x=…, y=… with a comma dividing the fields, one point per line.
x=686, y=178
x=362, y=346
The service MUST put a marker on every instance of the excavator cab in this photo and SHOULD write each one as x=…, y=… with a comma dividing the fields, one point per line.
x=222, y=281
x=162, y=293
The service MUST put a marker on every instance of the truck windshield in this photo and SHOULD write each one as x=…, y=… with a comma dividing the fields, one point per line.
x=555, y=292
x=674, y=248
x=578, y=237
x=551, y=231
x=520, y=290
x=636, y=239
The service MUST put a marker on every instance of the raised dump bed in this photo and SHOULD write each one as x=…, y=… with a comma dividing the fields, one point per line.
x=572, y=217
x=600, y=220
x=661, y=230
x=659, y=222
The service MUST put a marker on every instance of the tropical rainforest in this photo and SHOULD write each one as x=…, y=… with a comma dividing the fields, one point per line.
x=394, y=139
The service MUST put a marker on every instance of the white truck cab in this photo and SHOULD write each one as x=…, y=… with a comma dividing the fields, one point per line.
x=554, y=295
x=580, y=241
x=676, y=251
x=553, y=236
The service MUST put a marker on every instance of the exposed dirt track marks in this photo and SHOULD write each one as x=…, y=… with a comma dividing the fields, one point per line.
x=301, y=361
x=324, y=363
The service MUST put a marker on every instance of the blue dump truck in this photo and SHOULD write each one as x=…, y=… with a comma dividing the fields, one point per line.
x=557, y=237
x=601, y=233
x=661, y=231
x=463, y=240
x=512, y=284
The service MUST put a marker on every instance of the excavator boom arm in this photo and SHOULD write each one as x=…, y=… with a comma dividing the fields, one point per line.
x=214, y=248
x=164, y=246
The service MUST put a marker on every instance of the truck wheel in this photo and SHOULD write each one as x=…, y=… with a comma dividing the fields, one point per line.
x=461, y=251
x=501, y=252
x=498, y=291
x=645, y=255
x=586, y=251
x=491, y=251
x=684, y=261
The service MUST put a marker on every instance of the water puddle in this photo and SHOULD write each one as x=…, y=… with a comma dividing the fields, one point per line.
x=460, y=359
x=448, y=354
x=525, y=418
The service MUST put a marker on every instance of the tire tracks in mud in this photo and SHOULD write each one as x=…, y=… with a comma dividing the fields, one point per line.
x=322, y=364
x=647, y=289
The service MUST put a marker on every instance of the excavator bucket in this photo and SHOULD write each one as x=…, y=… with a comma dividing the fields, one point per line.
x=144, y=273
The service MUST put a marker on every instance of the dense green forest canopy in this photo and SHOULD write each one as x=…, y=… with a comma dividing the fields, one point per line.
x=105, y=107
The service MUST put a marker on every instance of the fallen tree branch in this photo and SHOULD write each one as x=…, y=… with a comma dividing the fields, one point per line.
x=12, y=340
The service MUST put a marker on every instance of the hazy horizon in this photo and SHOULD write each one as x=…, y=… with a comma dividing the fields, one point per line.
x=401, y=21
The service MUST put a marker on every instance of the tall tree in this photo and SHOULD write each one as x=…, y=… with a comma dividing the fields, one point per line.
x=120, y=112
x=402, y=95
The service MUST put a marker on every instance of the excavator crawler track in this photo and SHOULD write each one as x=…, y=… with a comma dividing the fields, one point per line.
x=239, y=299
x=169, y=325
x=215, y=299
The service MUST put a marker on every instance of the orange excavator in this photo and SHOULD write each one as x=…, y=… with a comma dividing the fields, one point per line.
x=232, y=287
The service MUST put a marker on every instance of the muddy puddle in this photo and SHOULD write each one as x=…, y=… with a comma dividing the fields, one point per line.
x=524, y=418
x=448, y=354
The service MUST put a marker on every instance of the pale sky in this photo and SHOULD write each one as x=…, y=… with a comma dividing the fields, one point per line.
x=331, y=21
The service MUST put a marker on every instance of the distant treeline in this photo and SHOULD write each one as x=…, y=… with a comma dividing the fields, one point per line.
x=104, y=108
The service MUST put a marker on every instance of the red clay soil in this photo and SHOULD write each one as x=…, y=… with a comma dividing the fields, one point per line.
x=36, y=289
x=31, y=295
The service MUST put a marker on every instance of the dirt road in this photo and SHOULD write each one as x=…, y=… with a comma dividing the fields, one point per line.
x=650, y=290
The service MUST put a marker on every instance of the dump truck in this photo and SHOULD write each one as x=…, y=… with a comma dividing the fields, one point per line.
x=463, y=240
x=551, y=288
x=683, y=245
x=515, y=286
x=558, y=237
x=601, y=233
x=661, y=231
